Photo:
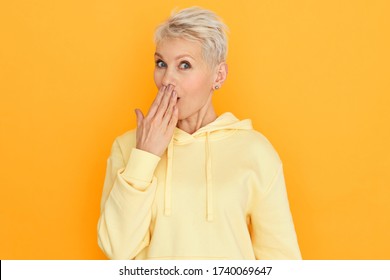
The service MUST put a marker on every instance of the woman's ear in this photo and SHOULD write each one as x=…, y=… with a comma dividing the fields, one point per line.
x=221, y=74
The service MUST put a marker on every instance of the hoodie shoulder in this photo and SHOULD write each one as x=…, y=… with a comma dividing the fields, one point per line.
x=127, y=136
x=261, y=148
x=261, y=156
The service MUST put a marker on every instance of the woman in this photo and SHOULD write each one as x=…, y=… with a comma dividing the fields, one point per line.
x=187, y=183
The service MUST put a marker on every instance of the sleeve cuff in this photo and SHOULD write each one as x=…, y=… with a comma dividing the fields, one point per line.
x=140, y=168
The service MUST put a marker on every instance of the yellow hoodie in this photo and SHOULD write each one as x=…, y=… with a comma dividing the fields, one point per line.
x=218, y=193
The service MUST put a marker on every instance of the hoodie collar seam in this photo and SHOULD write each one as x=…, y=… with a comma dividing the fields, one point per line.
x=211, y=137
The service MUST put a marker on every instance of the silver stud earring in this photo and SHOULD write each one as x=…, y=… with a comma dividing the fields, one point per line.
x=217, y=87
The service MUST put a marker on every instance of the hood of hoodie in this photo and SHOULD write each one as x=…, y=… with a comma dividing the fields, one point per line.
x=219, y=128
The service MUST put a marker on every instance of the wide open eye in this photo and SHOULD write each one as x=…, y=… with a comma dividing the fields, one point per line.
x=160, y=64
x=185, y=65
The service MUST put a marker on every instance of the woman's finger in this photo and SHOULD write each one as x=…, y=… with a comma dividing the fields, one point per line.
x=164, y=103
x=140, y=116
x=156, y=102
x=173, y=121
x=168, y=113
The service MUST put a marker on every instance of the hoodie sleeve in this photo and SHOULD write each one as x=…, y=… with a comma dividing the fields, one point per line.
x=272, y=228
x=125, y=209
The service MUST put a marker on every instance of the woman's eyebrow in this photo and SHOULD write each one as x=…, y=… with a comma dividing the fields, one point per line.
x=177, y=57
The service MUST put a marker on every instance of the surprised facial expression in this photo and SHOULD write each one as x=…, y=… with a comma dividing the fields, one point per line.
x=179, y=62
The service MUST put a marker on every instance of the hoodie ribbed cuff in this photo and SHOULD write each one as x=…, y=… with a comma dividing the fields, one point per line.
x=140, y=168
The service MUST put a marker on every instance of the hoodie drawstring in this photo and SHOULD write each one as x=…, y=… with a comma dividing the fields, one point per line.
x=225, y=124
x=168, y=180
x=209, y=182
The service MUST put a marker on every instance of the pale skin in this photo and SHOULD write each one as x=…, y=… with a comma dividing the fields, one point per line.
x=185, y=85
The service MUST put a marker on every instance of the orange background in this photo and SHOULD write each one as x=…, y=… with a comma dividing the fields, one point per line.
x=312, y=75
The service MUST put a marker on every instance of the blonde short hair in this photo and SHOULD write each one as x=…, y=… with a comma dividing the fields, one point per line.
x=198, y=25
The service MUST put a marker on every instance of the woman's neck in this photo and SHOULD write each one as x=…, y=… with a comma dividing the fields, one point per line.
x=198, y=120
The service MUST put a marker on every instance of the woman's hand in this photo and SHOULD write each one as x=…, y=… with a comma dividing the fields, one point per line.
x=154, y=132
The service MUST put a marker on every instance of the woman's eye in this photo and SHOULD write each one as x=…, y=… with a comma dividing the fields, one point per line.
x=160, y=64
x=185, y=65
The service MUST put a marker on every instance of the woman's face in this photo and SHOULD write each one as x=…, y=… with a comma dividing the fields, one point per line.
x=179, y=62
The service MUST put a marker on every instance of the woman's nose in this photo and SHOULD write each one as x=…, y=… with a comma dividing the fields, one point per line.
x=168, y=78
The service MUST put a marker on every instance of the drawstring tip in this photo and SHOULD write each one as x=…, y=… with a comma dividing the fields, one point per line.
x=210, y=217
x=167, y=212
